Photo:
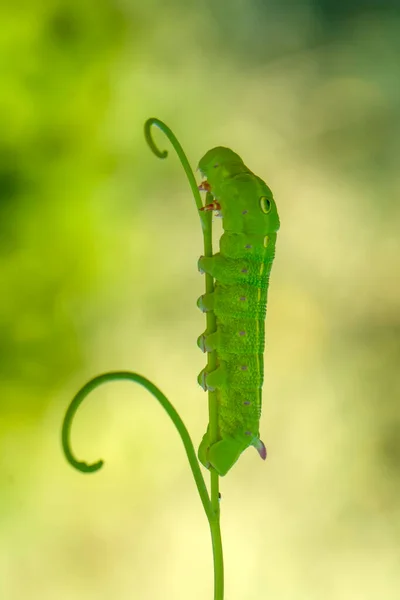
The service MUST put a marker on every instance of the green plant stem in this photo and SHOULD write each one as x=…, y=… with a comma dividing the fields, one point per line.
x=211, y=361
x=215, y=526
x=206, y=222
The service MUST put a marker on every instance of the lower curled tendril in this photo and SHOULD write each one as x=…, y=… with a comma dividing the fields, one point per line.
x=165, y=403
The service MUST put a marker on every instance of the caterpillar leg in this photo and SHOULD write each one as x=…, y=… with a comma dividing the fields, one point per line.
x=202, y=452
x=204, y=186
x=216, y=265
x=208, y=342
x=211, y=380
x=213, y=206
x=206, y=264
x=206, y=302
x=223, y=454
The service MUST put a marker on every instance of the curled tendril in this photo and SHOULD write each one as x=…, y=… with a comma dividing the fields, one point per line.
x=165, y=403
x=181, y=155
x=149, y=139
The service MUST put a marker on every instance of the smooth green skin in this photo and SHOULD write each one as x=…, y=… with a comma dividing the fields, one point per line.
x=219, y=163
x=223, y=454
x=241, y=270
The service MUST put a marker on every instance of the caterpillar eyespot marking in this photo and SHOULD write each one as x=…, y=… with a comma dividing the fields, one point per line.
x=237, y=301
x=265, y=204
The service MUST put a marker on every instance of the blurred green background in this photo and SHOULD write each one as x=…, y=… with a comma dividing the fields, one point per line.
x=99, y=242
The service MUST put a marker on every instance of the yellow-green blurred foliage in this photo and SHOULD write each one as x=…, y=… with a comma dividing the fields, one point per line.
x=99, y=242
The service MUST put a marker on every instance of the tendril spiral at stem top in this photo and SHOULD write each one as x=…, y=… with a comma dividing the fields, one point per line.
x=181, y=155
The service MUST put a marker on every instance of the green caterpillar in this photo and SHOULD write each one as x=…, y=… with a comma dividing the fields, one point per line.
x=241, y=271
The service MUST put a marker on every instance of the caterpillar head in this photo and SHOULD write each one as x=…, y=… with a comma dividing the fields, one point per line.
x=220, y=163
